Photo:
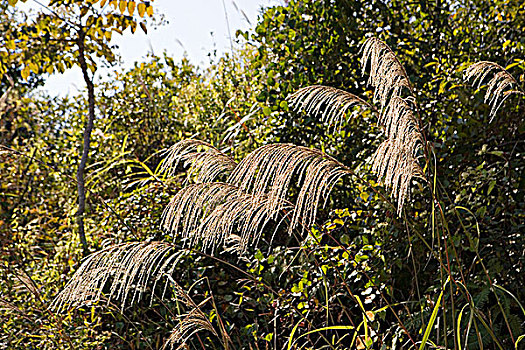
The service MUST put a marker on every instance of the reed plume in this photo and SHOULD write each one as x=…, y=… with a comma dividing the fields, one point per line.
x=203, y=160
x=187, y=208
x=270, y=169
x=396, y=166
x=124, y=270
x=396, y=160
x=248, y=215
x=191, y=322
x=500, y=86
x=331, y=103
x=210, y=213
x=387, y=74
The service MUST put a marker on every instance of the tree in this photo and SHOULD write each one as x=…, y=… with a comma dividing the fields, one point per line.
x=77, y=31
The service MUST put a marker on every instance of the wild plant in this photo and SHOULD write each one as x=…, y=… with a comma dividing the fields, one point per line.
x=230, y=205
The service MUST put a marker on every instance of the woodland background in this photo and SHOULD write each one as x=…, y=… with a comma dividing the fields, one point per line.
x=238, y=104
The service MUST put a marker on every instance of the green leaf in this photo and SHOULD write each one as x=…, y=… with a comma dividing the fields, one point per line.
x=432, y=319
x=491, y=186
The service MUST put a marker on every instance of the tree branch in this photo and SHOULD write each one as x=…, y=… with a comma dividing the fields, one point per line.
x=87, y=135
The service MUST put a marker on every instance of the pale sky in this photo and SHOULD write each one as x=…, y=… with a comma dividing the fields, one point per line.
x=195, y=28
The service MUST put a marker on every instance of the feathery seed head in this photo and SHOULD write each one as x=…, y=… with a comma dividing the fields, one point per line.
x=270, y=169
x=203, y=159
x=126, y=269
x=331, y=103
x=387, y=75
x=499, y=88
x=213, y=213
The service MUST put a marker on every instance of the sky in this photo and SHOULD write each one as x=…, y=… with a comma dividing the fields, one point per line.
x=195, y=28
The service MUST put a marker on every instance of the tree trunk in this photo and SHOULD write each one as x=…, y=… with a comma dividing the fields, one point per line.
x=87, y=136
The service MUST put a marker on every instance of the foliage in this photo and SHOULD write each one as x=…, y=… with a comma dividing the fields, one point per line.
x=50, y=42
x=361, y=277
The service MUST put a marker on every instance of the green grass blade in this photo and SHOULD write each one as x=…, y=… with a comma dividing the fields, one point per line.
x=432, y=319
x=459, y=325
x=290, y=339
x=512, y=296
x=518, y=340
x=330, y=328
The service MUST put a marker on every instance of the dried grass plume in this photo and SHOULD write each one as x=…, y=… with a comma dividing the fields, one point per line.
x=125, y=271
x=500, y=86
x=331, y=103
x=204, y=160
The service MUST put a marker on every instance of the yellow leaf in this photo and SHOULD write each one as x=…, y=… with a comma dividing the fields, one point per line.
x=149, y=10
x=442, y=86
x=131, y=7
x=103, y=3
x=331, y=226
x=33, y=67
x=11, y=45
x=122, y=6
x=364, y=196
x=25, y=72
x=141, y=8
x=143, y=26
